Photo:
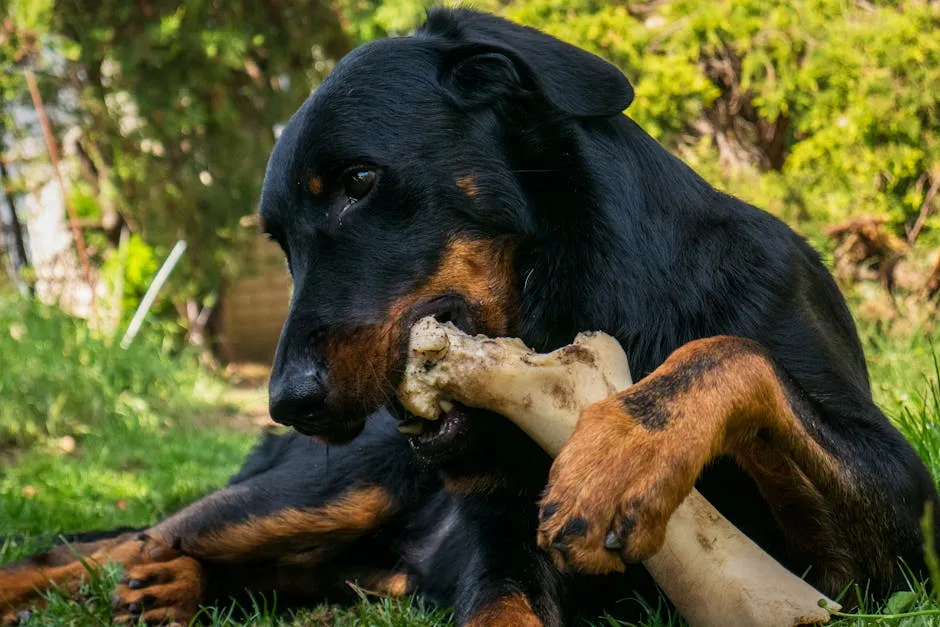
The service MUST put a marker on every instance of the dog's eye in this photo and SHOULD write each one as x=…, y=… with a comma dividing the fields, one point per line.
x=357, y=183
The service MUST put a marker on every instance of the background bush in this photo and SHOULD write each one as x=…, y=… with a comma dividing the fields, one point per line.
x=60, y=378
x=817, y=110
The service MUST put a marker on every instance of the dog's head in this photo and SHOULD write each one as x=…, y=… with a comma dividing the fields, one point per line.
x=398, y=191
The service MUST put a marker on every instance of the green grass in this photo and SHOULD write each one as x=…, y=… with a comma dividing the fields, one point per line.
x=95, y=437
x=95, y=611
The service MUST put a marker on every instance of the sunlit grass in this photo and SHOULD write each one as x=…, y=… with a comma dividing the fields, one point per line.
x=142, y=452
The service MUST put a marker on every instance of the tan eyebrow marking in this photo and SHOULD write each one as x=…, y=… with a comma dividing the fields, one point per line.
x=467, y=185
x=315, y=185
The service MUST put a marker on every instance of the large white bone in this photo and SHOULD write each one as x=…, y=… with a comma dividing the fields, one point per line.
x=712, y=572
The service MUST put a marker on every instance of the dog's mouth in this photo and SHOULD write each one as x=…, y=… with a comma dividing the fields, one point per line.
x=449, y=426
x=432, y=438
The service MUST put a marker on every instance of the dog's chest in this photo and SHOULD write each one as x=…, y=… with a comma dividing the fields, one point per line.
x=438, y=550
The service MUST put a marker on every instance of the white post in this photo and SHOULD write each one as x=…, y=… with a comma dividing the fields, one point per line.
x=152, y=291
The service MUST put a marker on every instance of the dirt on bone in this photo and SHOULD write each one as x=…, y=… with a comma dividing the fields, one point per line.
x=446, y=365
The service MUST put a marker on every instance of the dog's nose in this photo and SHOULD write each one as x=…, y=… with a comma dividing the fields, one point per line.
x=297, y=396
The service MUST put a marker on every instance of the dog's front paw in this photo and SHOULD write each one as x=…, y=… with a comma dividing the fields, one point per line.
x=164, y=587
x=612, y=489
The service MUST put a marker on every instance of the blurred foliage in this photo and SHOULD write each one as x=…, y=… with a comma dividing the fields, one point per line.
x=176, y=103
x=60, y=378
x=820, y=111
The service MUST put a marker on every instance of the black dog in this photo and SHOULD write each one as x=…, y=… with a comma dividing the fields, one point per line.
x=483, y=173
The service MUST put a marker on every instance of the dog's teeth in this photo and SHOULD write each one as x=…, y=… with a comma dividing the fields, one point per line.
x=411, y=428
x=446, y=406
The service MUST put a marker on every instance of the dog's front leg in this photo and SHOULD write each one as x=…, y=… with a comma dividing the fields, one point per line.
x=636, y=455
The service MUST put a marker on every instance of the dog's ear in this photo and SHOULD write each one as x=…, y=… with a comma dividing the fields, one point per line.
x=494, y=58
x=481, y=75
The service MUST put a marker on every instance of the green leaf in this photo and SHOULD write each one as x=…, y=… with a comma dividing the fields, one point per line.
x=900, y=602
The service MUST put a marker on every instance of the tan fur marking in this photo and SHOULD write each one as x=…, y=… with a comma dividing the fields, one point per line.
x=63, y=554
x=315, y=185
x=173, y=590
x=23, y=587
x=712, y=397
x=386, y=584
x=295, y=533
x=467, y=185
x=361, y=362
x=509, y=611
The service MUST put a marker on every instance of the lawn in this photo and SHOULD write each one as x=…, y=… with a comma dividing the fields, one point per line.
x=95, y=437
